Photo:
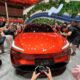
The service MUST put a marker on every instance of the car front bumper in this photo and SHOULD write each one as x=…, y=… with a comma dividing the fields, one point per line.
x=29, y=64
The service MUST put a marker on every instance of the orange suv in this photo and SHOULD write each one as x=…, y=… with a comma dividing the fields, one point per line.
x=38, y=44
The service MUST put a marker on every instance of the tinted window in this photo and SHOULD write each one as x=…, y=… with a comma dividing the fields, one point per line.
x=38, y=28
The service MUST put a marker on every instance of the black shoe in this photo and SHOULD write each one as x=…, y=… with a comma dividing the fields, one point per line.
x=0, y=62
x=73, y=53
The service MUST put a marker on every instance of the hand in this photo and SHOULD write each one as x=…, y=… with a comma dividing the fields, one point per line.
x=49, y=75
x=35, y=76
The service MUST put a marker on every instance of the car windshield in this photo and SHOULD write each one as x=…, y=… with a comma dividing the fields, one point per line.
x=38, y=28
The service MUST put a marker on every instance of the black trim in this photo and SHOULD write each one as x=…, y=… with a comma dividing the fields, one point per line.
x=28, y=68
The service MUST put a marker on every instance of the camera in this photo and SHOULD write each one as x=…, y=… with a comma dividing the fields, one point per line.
x=40, y=69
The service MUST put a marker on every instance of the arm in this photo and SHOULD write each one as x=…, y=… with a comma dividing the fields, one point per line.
x=67, y=34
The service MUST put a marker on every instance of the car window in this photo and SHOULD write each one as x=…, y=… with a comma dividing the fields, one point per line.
x=38, y=28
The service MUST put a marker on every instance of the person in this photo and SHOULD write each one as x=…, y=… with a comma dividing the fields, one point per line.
x=10, y=30
x=18, y=29
x=64, y=30
x=73, y=35
x=57, y=27
x=48, y=74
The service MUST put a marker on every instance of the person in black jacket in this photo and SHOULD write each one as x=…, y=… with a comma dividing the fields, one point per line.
x=73, y=35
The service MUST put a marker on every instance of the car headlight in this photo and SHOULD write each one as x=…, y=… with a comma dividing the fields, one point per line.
x=16, y=47
x=65, y=46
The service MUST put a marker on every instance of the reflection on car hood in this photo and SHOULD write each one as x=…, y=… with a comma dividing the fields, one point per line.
x=40, y=43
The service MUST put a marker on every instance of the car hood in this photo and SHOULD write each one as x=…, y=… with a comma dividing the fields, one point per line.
x=40, y=43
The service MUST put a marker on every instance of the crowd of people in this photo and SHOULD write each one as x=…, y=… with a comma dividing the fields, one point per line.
x=71, y=31
x=7, y=33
